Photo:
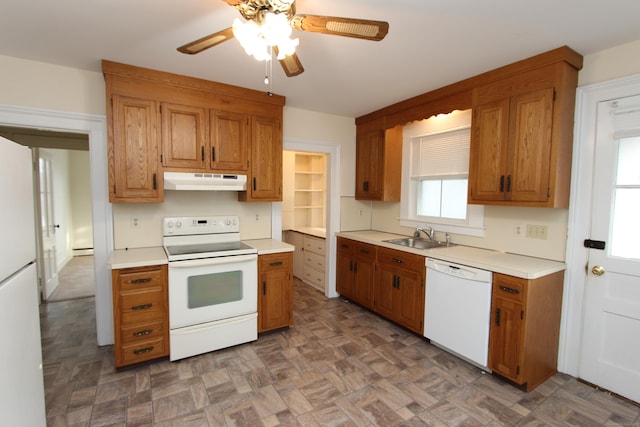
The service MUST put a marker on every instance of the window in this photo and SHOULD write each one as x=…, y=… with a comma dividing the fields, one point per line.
x=435, y=175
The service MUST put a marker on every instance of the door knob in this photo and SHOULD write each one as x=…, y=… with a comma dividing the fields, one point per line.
x=598, y=270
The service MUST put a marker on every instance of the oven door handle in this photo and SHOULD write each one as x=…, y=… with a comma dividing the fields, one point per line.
x=213, y=261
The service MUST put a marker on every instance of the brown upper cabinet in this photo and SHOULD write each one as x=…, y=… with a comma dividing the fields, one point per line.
x=161, y=122
x=521, y=131
x=378, y=164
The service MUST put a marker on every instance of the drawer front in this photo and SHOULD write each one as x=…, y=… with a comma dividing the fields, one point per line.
x=132, y=280
x=365, y=252
x=313, y=276
x=401, y=259
x=142, y=307
x=152, y=330
x=314, y=244
x=508, y=287
x=314, y=260
x=145, y=350
x=272, y=262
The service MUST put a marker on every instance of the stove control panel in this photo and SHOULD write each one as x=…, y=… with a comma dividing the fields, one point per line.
x=190, y=225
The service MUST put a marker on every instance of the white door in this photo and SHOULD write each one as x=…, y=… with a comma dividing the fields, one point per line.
x=611, y=331
x=47, y=254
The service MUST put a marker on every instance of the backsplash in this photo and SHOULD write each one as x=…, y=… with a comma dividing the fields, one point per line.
x=139, y=225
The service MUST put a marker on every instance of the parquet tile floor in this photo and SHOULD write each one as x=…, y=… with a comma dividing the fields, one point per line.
x=339, y=365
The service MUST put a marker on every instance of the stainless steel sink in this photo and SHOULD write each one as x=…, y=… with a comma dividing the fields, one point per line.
x=417, y=243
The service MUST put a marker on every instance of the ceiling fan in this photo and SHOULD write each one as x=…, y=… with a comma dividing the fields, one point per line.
x=258, y=12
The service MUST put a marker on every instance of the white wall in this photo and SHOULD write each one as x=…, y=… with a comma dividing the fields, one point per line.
x=80, y=193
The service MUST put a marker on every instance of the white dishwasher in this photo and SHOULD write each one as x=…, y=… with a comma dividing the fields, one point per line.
x=458, y=309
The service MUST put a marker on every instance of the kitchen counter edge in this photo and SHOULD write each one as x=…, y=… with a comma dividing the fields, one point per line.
x=521, y=266
x=137, y=257
x=269, y=246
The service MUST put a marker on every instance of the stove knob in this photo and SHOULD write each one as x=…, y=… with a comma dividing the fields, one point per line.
x=169, y=224
x=228, y=221
x=178, y=224
x=235, y=222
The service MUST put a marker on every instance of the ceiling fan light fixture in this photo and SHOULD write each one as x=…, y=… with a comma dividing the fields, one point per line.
x=258, y=40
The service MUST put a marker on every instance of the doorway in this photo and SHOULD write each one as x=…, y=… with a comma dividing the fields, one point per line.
x=601, y=311
x=102, y=217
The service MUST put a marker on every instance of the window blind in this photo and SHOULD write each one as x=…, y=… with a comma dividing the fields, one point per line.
x=442, y=155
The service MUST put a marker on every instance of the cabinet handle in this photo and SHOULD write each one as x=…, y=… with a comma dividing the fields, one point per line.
x=510, y=290
x=365, y=186
x=155, y=182
x=264, y=287
x=396, y=260
x=202, y=153
x=502, y=183
x=275, y=263
x=142, y=280
x=141, y=307
x=509, y=184
x=497, y=317
x=213, y=154
x=344, y=246
x=143, y=350
x=142, y=333
x=254, y=183
x=398, y=282
x=364, y=251
x=350, y=265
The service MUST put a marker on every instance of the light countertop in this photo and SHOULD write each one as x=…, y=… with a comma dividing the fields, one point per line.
x=499, y=262
x=312, y=231
x=137, y=257
x=269, y=246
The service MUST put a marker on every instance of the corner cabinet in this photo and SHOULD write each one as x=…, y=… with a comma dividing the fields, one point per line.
x=356, y=271
x=161, y=122
x=275, y=288
x=378, y=164
x=140, y=314
x=264, y=183
x=521, y=139
x=525, y=328
x=134, y=138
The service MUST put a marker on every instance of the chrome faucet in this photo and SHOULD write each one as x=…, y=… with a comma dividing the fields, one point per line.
x=428, y=231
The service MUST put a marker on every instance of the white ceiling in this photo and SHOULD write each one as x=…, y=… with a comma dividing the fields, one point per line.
x=431, y=43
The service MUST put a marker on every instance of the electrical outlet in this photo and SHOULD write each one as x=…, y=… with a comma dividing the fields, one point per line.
x=257, y=217
x=537, y=231
x=518, y=230
x=135, y=222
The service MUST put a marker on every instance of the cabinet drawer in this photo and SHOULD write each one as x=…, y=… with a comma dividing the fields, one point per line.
x=272, y=262
x=313, y=276
x=507, y=287
x=141, y=307
x=144, y=350
x=365, y=252
x=132, y=279
x=314, y=244
x=314, y=260
x=401, y=259
x=132, y=334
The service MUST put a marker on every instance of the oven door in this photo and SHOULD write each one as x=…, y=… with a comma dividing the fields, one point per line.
x=206, y=290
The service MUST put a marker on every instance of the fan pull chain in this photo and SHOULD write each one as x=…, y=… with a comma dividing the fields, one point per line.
x=268, y=71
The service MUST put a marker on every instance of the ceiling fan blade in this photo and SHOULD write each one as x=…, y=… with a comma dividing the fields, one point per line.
x=207, y=41
x=290, y=64
x=348, y=27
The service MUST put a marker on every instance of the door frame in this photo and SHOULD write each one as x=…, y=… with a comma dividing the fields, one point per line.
x=332, y=150
x=579, y=220
x=95, y=126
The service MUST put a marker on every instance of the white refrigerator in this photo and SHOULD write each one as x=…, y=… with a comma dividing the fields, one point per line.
x=21, y=384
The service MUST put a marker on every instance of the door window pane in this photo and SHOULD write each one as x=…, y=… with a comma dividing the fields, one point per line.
x=212, y=289
x=625, y=232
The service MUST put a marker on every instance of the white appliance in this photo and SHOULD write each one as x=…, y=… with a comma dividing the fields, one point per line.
x=22, y=386
x=213, y=285
x=457, y=311
x=204, y=181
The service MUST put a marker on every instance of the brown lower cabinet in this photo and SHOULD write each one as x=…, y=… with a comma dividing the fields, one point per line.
x=387, y=281
x=275, y=291
x=140, y=314
x=525, y=328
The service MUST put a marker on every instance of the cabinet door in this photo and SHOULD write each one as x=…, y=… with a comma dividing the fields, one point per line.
x=410, y=309
x=229, y=141
x=265, y=177
x=134, y=175
x=488, y=152
x=184, y=143
x=385, y=297
x=364, y=271
x=530, y=149
x=505, y=339
x=275, y=306
x=369, y=164
x=344, y=268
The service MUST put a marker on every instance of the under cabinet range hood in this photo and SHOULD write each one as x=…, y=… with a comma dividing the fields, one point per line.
x=204, y=181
